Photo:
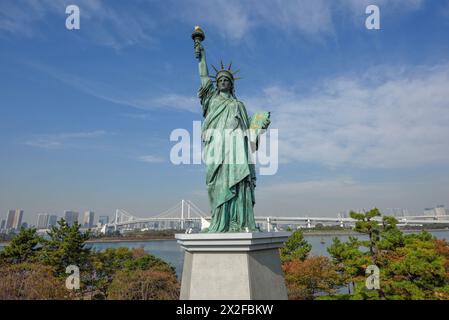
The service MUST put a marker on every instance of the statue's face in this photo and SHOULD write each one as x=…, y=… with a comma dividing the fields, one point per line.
x=224, y=84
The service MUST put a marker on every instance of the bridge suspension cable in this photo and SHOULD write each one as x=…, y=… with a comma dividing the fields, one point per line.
x=197, y=210
x=170, y=210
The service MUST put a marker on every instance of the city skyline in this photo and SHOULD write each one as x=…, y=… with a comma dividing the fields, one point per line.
x=362, y=114
x=51, y=219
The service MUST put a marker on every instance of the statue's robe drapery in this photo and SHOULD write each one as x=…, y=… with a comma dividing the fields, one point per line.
x=230, y=185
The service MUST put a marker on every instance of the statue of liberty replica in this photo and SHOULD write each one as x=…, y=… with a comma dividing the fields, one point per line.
x=230, y=261
x=230, y=182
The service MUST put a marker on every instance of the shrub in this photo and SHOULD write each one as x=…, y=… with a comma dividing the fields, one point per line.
x=152, y=284
x=27, y=281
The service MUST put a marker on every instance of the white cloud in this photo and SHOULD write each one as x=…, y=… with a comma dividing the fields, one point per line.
x=59, y=140
x=151, y=159
x=119, y=96
x=345, y=184
x=358, y=6
x=15, y=18
x=328, y=196
x=388, y=117
x=115, y=26
x=230, y=17
x=105, y=24
x=119, y=28
x=138, y=116
x=175, y=101
x=235, y=19
x=307, y=16
x=394, y=119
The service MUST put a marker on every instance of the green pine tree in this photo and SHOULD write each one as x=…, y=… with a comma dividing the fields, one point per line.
x=296, y=247
x=65, y=246
x=23, y=247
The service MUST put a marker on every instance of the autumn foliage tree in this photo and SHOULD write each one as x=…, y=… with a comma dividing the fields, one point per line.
x=30, y=281
x=32, y=267
x=109, y=262
x=149, y=284
x=305, y=279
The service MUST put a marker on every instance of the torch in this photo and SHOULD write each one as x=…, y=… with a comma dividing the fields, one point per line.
x=198, y=36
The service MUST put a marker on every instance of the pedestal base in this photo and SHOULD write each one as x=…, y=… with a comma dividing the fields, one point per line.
x=232, y=266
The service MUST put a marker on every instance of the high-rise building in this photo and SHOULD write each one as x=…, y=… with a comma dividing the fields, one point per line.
x=71, y=217
x=14, y=219
x=440, y=210
x=52, y=220
x=3, y=224
x=103, y=220
x=18, y=219
x=88, y=220
x=10, y=219
x=42, y=221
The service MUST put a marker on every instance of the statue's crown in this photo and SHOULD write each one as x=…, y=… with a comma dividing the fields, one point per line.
x=225, y=72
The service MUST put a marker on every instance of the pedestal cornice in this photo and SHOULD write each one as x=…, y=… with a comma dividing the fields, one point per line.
x=225, y=242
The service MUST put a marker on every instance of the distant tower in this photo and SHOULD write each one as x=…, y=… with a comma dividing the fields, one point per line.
x=103, y=220
x=71, y=217
x=52, y=220
x=42, y=221
x=429, y=212
x=10, y=219
x=14, y=219
x=88, y=220
x=18, y=219
x=440, y=211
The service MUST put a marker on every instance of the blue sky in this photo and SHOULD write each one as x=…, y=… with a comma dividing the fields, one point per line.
x=87, y=114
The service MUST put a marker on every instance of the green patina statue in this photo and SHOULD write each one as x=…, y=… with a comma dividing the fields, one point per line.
x=230, y=183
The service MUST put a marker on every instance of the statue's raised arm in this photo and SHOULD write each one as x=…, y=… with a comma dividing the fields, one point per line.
x=198, y=36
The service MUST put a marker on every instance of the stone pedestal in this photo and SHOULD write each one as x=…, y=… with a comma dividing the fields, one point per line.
x=232, y=266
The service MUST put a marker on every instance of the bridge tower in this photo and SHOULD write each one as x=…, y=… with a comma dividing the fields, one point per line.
x=182, y=214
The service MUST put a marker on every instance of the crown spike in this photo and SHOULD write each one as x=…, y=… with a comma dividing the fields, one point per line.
x=235, y=72
x=222, y=67
x=237, y=78
x=230, y=65
x=214, y=68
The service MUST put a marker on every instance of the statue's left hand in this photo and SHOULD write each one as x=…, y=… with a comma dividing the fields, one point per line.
x=266, y=122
